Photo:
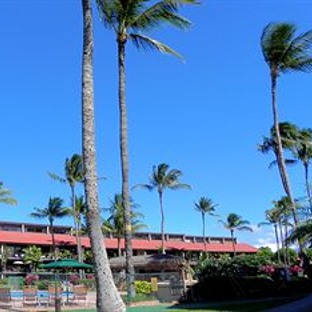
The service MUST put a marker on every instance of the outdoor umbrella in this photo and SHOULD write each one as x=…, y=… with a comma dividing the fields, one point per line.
x=66, y=264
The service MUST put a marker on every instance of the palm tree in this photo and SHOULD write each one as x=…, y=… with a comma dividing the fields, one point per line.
x=115, y=222
x=234, y=223
x=273, y=217
x=284, y=52
x=74, y=173
x=107, y=296
x=132, y=20
x=6, y=196
x=80, y=212
x=161, y=179
x=206, y=207
x=54, y=210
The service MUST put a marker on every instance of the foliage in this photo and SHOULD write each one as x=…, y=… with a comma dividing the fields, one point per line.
x=6, y=196
x=4, y=282
x=142, y=287
x=291, y=254
x=140, y=297
x=266, y=252
x=32, y=255
x=89, y=282
x=65, y=254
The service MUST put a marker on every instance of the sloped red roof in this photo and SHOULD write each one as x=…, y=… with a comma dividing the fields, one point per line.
x=43, y=239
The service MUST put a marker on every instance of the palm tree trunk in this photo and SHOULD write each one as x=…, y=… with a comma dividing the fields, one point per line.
x=280, y=154
x=306, y=176
x=282, y=242
x=108, y=298
x=286, y=245
x=277, y=243
x=204, y=231
x=233, y=242
x=162, y=226
x=53, y=239
x=125, y=165
x=118, y=246
x=78, y=240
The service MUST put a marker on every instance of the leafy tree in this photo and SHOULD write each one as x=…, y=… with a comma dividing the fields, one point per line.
x=206, y=207
x=6, y=196
x=108, y=298
x=234, y=223
x=32, y=256
x=267, y=253
x=74, y=174
x=161, y=179
x=284, y=52
x=115, y=222
x=54, y=210
x=302, y=232
x=5, y=253
x=132, y=21
x=65, y=254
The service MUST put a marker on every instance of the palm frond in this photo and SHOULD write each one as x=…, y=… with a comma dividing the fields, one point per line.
x=143, y=186
x=56, y=177
x=147, y=43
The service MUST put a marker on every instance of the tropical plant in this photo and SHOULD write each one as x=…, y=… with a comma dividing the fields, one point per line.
x=108, y=298
x=65, y=254
x=5, y=253
x=74, y=174
x=6, y=196
x=163, y=178
x=54, y=210
x=132, y=21
x=206, y=207
x=302, y=232
x=32, y=256
x=115, y=222
x=234, y=223
x=284, y=52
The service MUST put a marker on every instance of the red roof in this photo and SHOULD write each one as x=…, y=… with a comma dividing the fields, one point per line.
x=43, y=239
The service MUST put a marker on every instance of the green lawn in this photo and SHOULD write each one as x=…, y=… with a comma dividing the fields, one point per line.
x=213, y=307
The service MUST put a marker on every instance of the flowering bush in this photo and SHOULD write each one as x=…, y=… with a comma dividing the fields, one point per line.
x=296, y=269
x=90, y=276
x=267, y=269
x=31, y=279
x=74, y=279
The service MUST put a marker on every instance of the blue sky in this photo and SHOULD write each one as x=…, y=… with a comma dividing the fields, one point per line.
x=204, y=117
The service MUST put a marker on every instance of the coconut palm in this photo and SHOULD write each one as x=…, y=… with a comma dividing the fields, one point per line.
x=131, y=21
x=74, y=174
x=163, y=178
x=206, y=207
x=285, y=52
x=115, y=222
x=6, y=196
x=234, y=223
x=54, y=210
x=107, y=297
x=272, y=217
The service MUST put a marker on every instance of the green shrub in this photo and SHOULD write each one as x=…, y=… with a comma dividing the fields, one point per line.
x=90, y=283
x=139, y=297
x=4, y=282
x=42, y=284
x=142, y=287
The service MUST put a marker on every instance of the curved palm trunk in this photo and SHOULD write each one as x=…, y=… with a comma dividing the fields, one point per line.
x=53, y=239
x=277, y=243
x=282, y=242
x=233, y=242
x=119, y=246
x=306, y=176
x=280, y=154
x=204, y=231
x=75, y=218
x=108, y=298
x=162, y=225
x=125, y=166
x=286, y=244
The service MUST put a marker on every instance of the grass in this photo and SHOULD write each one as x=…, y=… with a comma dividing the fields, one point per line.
x=250, y=306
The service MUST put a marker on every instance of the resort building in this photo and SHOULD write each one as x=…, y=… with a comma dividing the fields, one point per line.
x=16, y=236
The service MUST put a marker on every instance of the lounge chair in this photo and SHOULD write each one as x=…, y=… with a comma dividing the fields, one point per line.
x=30, y=296
x=52, y=294
x=80, y=294
x=6, y=298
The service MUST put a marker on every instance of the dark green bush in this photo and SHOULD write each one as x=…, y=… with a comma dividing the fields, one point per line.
x=4, y=282
x=142, y=287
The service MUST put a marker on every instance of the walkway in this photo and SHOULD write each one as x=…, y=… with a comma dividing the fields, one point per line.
x=302, y=305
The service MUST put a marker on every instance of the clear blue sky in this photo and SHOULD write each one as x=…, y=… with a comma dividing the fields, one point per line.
x=205, y=116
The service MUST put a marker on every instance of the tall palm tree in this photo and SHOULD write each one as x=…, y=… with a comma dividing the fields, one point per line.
x=234, y=223
x=272, y=217
x=54, y=210
x=80, y=211
x=115, y=222
x=74, y=174
x=107, y=296
x=206, y=207
x=285, y=52
x=6, y=196
x=131, y=21
x=161, y=179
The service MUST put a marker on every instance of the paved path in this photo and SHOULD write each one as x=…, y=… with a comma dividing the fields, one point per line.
x=302, y=305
